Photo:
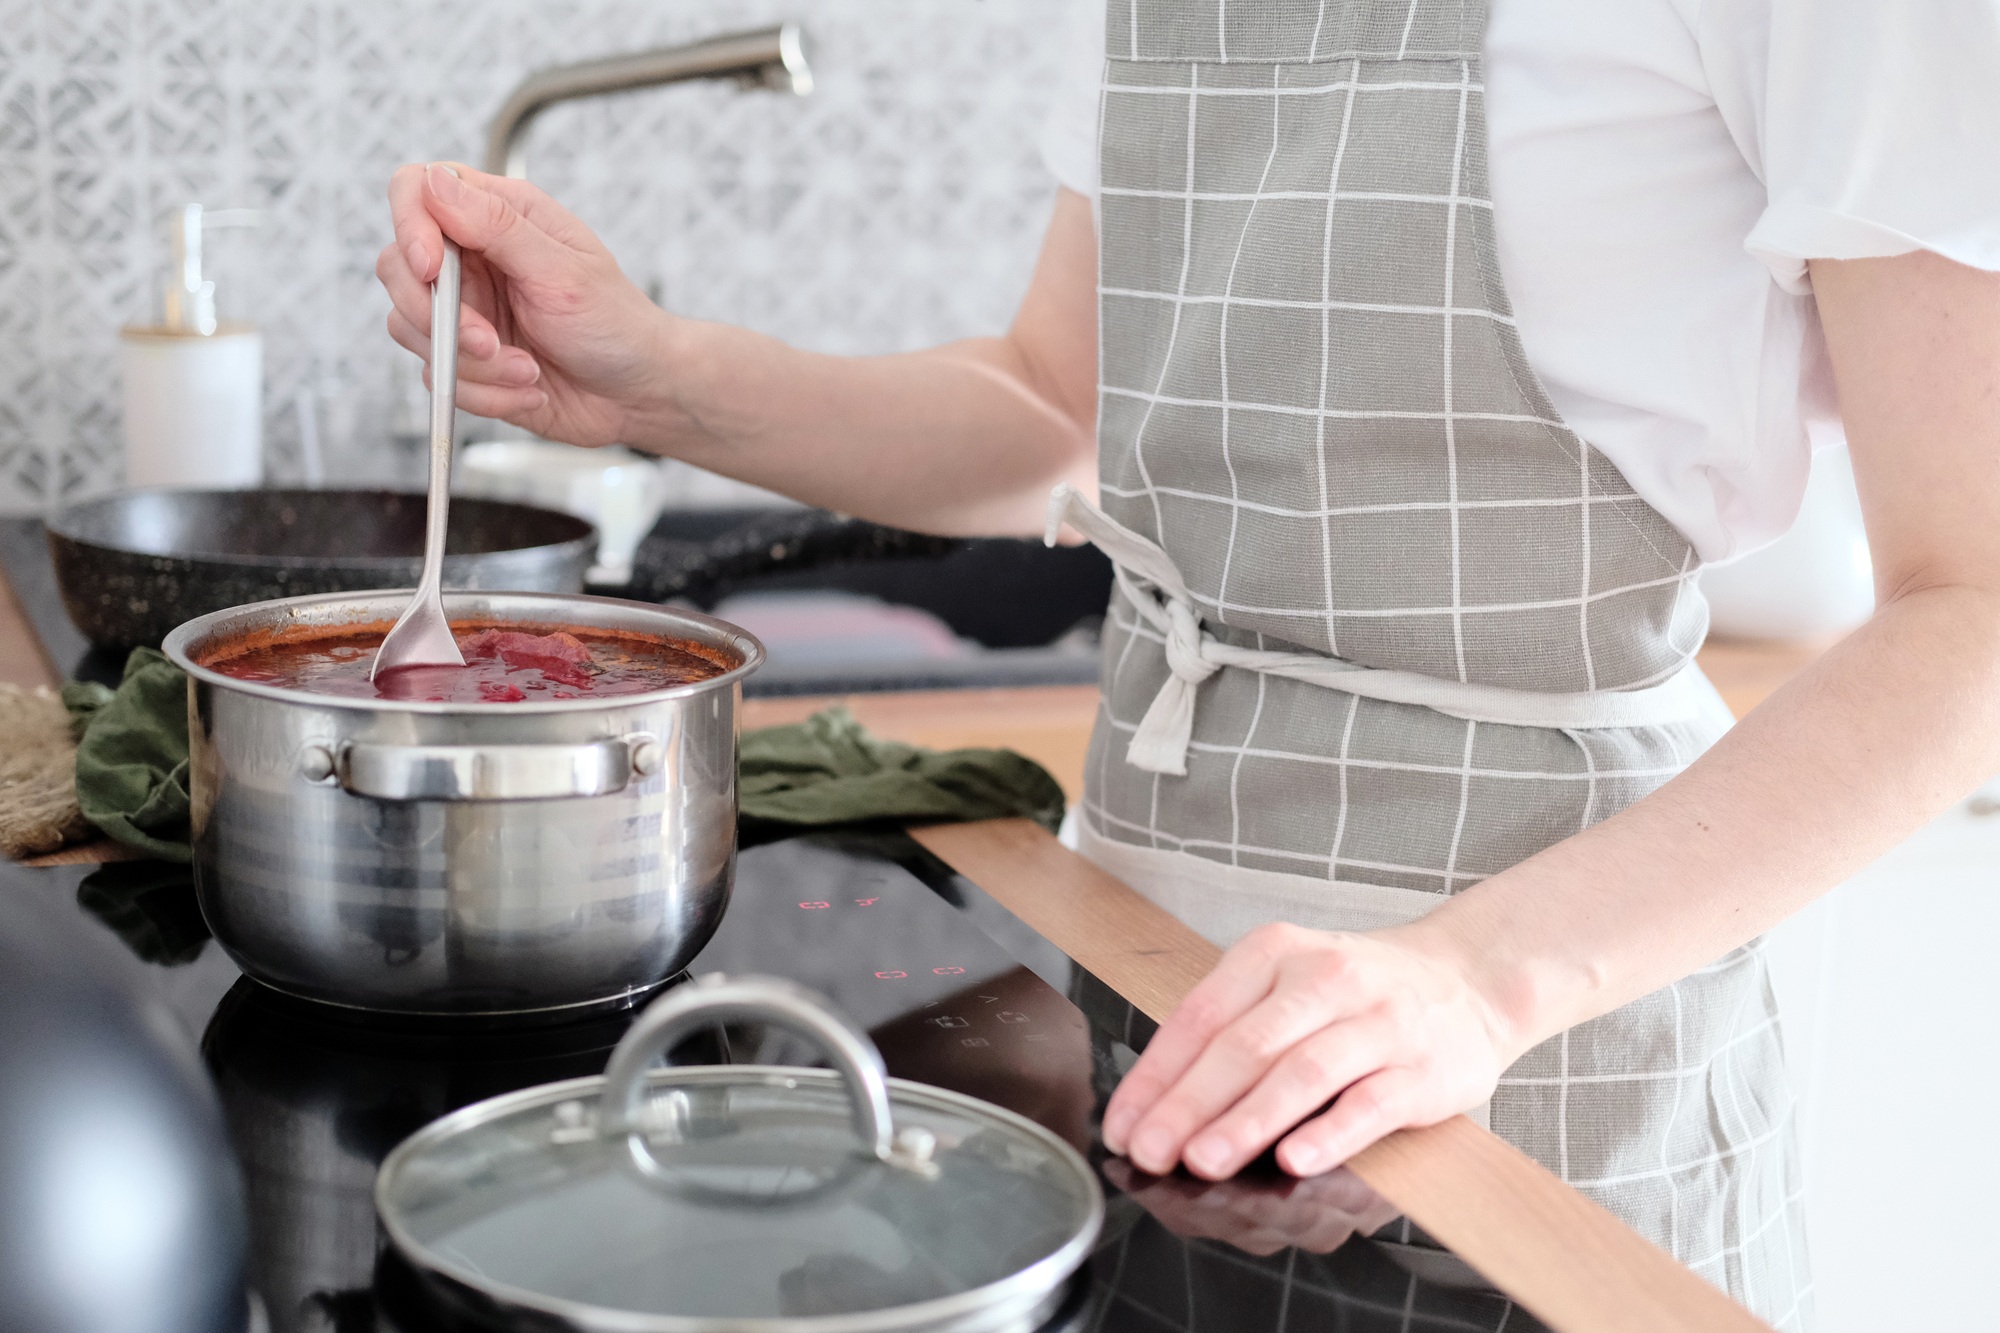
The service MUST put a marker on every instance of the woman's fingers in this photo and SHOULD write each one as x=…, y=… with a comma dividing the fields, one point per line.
x=409, y=295
x=486, y=220
x=482, y=358
x=1384, y=1101
x=1312, y=999
x=417, y=233
x=510, y=395
x=1304, y=1079
x=501, y=404
x=428, y=201
x=498, y=401
x=1241, y=980
x=407, y=336
x=1248, y=973
x=412, y=300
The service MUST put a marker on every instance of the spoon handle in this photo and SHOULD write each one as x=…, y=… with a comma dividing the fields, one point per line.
x=444, y=412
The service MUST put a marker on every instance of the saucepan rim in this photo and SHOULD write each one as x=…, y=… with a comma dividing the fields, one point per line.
x=179, y=643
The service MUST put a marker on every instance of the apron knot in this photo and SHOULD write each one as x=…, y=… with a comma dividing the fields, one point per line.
x=1160, y=744
x=1152, y=584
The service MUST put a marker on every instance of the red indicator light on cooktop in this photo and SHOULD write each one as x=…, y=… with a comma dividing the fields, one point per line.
x=947, y=971
x=866, y=902
x=890, y=976
x=814, y=907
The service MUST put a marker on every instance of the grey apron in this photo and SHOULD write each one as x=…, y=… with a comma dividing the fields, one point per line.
x=1324, y=457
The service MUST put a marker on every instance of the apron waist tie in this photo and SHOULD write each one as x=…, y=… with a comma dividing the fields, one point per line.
x=1149, y=580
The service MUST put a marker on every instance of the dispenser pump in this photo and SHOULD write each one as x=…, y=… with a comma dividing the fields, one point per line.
x=190, y=298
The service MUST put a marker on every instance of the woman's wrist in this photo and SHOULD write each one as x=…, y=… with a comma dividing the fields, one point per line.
x=663, y=411
x=1522, y=994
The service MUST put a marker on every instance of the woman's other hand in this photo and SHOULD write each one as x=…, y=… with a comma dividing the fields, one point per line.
x=1389, y=1029
x=552, y=336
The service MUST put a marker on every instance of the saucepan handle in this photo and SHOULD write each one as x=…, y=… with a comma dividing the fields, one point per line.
x=483, y=772
x=717, y=999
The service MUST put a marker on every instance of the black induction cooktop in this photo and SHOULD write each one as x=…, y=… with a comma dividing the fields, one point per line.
x=954, y=990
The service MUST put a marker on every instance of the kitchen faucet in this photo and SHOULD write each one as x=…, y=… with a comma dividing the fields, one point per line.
x=772, y=58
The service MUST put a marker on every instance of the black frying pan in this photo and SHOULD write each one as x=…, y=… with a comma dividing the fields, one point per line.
x=134, y=565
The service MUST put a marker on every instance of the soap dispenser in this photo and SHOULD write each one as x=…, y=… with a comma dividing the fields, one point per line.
x=193, y=388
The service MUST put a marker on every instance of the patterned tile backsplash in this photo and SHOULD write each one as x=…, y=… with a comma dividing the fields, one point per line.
x=899, y=205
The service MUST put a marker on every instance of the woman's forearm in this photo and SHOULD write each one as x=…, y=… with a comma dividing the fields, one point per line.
x=965, y=438
x=1881, y=735
x=955, y=439
x=1887, y=729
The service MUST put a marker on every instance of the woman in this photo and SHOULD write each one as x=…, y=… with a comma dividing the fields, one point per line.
x=1408, y=476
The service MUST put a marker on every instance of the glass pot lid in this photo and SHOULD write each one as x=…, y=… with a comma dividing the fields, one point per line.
x=744, y=1197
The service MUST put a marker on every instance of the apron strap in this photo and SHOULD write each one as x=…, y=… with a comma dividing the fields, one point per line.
x=1149, y=580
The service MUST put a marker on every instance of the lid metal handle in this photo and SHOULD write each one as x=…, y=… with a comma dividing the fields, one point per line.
x=718, y=999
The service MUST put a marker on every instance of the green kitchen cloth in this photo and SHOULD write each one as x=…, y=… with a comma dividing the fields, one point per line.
x=132, y=755
x=823, y=773
x=828, y=771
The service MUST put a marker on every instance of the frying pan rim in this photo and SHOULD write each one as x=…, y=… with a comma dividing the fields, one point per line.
x=59, y=523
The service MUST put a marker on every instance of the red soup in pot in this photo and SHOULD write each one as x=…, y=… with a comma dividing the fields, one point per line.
x=503, y=664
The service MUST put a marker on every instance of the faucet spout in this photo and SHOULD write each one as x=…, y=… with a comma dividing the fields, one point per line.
x=772, y=58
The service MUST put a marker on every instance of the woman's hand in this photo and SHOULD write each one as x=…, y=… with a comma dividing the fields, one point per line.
x=552, y=336
x=1387, y=1026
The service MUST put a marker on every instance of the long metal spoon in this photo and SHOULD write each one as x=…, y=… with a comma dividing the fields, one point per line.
x=421, y=636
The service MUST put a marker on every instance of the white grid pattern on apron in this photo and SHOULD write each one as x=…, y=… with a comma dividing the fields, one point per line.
x=1314, y=398
x=1457, y=526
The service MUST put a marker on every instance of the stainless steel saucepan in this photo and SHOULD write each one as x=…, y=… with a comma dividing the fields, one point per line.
x=462, y=859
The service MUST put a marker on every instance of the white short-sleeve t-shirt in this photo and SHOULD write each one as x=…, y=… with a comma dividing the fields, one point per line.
x=1661, y=172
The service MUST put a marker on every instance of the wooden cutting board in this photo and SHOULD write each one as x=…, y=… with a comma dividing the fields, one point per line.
x=1569, y=1261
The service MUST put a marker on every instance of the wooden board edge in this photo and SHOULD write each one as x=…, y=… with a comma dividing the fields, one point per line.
x=1562, y=1256
x=97, y=851
x=23, y=658
x=1147, y=956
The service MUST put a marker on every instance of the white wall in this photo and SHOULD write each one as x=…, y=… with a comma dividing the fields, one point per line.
x=1892, y=1011
x=899, y=205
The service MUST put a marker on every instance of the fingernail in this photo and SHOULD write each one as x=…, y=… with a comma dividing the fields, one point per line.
x=1116, y=1124
x=418, y=256
x=1208, y=1153
x=523, y=369
x=1302, y=1159
x=1152, y=1150
x=444, y=183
